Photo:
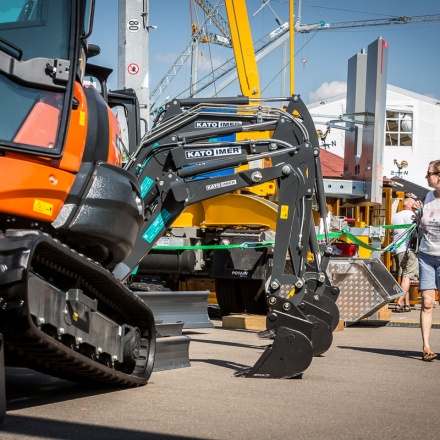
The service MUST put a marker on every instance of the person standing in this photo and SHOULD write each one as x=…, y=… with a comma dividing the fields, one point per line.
x=429, y=253
x=404, y=255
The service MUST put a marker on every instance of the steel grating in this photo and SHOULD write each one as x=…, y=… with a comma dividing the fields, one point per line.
x=365, y=284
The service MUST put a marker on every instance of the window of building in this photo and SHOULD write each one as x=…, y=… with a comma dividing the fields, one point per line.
x=399, y=129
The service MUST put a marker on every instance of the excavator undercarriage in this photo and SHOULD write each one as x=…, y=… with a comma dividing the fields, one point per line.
x=65, y=315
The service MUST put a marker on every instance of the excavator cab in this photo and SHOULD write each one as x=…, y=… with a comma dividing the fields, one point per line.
x=68, y=210
x=39, y=52
x=61, y=144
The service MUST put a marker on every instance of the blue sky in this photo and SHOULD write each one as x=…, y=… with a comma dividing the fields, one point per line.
x=413, y=61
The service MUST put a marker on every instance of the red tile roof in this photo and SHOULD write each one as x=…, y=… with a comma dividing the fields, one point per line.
x=332, y=164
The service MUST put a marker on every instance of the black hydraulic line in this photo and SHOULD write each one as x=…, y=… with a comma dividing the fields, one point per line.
x=214, y=165
x=237, y=100
x=223, y=131
x=209, y=133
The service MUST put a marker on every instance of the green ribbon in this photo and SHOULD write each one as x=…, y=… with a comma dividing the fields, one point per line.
x=332, y=235
x=410, y=228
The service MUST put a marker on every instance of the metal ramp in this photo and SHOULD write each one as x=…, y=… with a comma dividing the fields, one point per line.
x=365, y=284
x=191, y=308
x=173, y=312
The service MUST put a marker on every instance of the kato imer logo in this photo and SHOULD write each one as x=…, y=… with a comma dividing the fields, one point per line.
x=216, y=124
x=212, y=152
x=221, y=185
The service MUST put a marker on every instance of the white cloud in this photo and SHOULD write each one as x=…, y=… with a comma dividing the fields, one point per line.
x=328, y=90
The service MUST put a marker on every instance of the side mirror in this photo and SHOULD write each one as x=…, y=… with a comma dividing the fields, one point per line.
x=93, y=50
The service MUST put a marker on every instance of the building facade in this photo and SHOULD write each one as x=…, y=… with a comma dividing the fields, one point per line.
x=412, y=131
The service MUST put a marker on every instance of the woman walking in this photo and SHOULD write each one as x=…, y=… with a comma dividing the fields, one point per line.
x=429, y=253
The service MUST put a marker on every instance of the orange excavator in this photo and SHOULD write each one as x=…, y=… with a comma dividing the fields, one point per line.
x=75, y=221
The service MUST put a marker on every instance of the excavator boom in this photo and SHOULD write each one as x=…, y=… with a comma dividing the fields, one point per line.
x=182, y=161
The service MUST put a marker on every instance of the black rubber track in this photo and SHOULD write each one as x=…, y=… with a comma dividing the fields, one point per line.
x=28, y=345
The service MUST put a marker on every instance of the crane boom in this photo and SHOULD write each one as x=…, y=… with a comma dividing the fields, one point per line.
x=363, y=23
x=243, y=47
x=217, y=19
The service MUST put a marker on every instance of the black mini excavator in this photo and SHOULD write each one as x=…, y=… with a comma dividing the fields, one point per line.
x=76, y=219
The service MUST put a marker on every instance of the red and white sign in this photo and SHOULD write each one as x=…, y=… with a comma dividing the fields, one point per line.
x=133, y=69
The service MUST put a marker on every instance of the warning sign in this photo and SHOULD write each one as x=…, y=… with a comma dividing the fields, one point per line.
x=284, y=212
x=43, y=207
x=133, y=69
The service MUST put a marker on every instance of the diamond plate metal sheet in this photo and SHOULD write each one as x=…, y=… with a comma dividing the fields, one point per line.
x=365, y=286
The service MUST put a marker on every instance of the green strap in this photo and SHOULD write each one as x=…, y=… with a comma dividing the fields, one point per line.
x=256, y=244
x=397, y=226
x=410, y=228
x=332, y=235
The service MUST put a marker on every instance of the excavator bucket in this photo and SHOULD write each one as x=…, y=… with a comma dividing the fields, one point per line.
x=322, y=336
x=323, y=313
x=292, y=351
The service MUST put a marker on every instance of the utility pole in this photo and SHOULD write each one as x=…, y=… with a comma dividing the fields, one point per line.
x=133, y=40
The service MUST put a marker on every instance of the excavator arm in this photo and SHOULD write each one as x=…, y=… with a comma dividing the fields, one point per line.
x=190, y=156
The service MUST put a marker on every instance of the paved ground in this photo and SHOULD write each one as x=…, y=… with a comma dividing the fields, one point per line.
x=409, y=319
x=370, y=384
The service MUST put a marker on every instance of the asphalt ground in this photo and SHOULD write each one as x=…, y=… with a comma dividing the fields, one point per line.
x=409, y=319
x=370, y=384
